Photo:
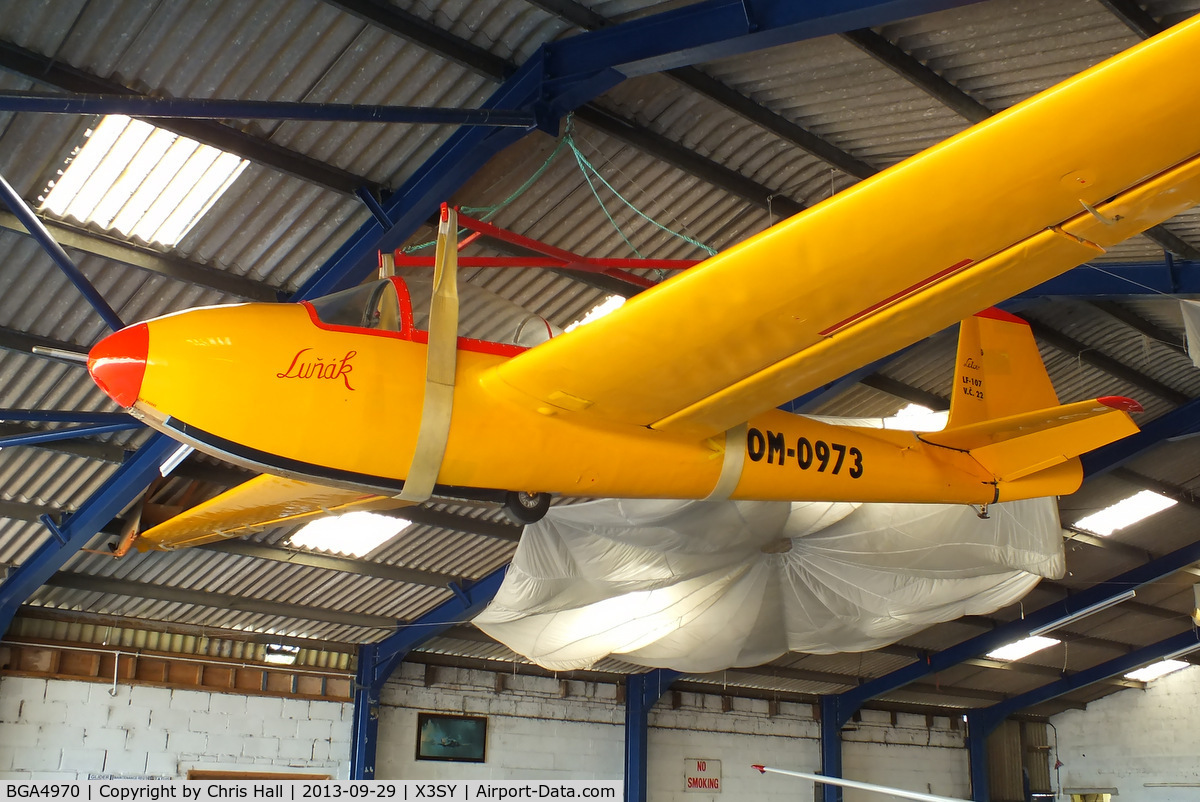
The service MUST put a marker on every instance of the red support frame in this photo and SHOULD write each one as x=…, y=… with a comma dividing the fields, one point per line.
x=547, y=256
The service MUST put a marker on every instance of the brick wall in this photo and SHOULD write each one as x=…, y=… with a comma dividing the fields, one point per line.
x=534, y=732
x=1134, y=737
x=62, y=730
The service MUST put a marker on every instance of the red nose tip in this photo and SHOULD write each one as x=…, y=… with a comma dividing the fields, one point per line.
x=118, y=363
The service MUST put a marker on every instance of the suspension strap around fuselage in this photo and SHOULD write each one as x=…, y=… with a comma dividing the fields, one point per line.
x=440, y=364
x=733, y=459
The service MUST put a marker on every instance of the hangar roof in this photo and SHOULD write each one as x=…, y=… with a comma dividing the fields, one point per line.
x=716, y=150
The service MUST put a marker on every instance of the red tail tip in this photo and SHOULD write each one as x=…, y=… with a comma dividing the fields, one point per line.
x=992, y=313
x=761, y=769
x=1121, y=402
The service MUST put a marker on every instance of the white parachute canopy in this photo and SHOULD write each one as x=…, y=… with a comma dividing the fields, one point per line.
x=702, y=586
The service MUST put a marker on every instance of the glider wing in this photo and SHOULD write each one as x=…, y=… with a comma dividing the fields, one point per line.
x=1035, y=190
x=262, y=502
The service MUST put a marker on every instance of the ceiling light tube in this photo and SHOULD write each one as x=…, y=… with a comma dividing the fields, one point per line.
x=1085, y=612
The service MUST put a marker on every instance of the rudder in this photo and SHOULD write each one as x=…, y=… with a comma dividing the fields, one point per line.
x=998, y=370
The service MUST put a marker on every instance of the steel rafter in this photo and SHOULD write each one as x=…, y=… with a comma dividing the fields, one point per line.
x=221, y=109
x=377, y=662
x=983, y=722
x=53, y=72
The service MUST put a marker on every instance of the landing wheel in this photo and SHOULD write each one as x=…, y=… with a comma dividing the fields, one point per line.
x=526, y=508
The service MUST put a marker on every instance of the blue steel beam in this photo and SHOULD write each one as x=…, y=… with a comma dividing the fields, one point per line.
x=378, y=661
x=118, y=492
x=1048, y=616
x=1182, y=421
x=18, y=207
x=62, y=416
x=218, y=109
x=989, y=718
x=983, y=722
x=67, y=433
x=1169, y=276
x=642, y=691
x=566, y=74
x=716, y=29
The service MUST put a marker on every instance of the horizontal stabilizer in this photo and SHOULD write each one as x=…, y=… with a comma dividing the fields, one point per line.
x=1018, y=445
x=261, y=502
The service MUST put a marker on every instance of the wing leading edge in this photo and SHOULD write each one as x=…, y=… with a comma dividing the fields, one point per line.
x=1027, y=194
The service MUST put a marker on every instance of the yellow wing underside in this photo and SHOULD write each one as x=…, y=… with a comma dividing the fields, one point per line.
x=1028, y=194
x=262, y=502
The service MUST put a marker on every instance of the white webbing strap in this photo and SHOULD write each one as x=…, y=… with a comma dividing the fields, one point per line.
x=732, y=462
x=440, y=364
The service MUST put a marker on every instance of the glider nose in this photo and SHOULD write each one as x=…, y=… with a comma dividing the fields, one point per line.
x=118, y=363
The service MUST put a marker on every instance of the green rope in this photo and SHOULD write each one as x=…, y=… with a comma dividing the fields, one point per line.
x=586, y=165
x=588, y=170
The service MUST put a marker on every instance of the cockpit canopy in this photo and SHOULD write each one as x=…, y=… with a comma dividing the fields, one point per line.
x=401, y=305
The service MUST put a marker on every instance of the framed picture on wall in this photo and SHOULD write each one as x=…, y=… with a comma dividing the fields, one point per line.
x=458, y=738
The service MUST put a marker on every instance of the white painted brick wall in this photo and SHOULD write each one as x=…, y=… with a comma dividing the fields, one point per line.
x=53, y=730
x=535, y=734
x=1134, y=737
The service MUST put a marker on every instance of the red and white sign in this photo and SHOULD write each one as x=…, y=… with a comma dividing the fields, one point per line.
x=702, y=775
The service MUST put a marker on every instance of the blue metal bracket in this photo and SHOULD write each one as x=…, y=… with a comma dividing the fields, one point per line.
x=372, y=203
x=642, y=691
x=50, y=524
x=378, y=661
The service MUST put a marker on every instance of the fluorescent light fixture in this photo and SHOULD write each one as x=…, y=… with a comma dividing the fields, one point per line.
x=1155, y=670
x=1085, y=612
x=141, y=181
x=280, y=655
x=172, y=462
x=598, y=311
x=354, y=534
x=1126, y=512
x=1022, y=648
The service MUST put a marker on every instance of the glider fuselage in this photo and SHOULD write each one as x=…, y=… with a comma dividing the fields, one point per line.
x=271, y=387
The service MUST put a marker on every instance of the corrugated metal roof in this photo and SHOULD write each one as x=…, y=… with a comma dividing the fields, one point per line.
x=278, y=228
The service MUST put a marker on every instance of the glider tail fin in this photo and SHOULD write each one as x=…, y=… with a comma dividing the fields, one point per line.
x=1005, y=413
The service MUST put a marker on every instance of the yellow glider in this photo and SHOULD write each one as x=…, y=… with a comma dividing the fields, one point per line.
x=672, y=395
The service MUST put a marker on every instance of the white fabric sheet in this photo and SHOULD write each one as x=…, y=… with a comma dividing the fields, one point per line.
x=702, y=586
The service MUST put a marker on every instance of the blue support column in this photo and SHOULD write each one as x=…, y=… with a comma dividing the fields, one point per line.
x=364, y=728
x=977, y=736
x=377, y=662
x=641, y=693
x=833, y=718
